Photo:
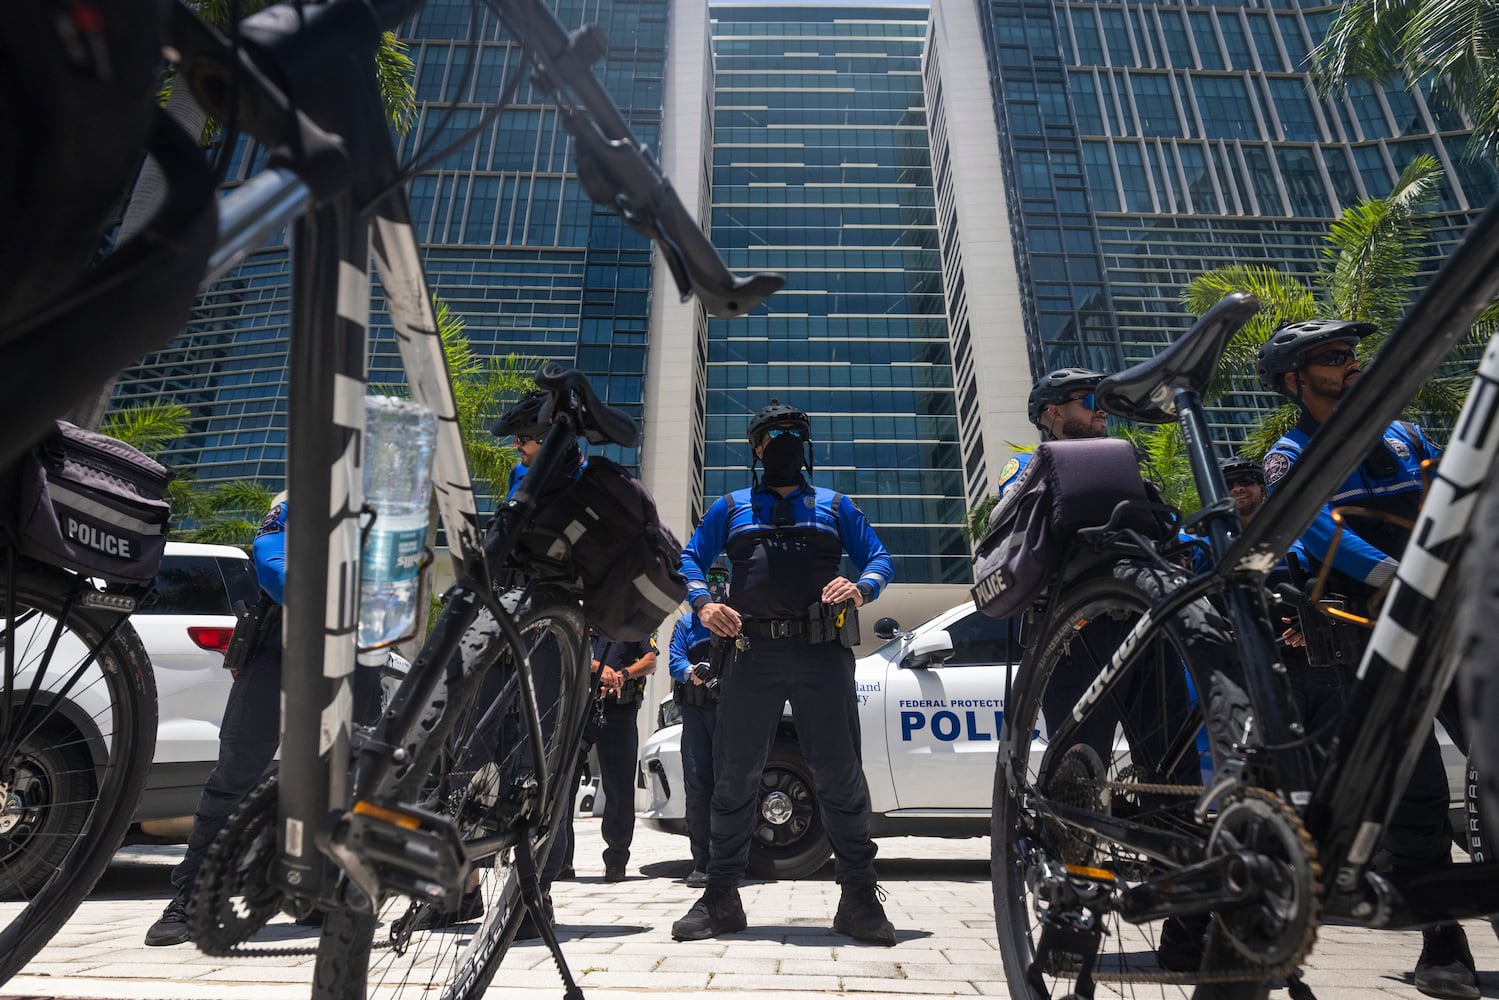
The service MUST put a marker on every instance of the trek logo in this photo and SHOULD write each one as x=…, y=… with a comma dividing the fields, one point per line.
x=93, y=537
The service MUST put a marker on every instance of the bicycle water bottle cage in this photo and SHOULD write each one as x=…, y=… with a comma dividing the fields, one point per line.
x=1146, y=393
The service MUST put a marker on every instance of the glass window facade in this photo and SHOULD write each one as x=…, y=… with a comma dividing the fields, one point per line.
x=1202, y=144
x=512, y=245
x=822, y=170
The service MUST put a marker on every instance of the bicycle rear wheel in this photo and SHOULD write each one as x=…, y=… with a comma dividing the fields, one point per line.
x=1135, y=758
x=419, y=951
x=79, y=730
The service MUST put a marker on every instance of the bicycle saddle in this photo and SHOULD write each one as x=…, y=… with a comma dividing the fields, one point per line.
x=1147, y=392
x=596, y=419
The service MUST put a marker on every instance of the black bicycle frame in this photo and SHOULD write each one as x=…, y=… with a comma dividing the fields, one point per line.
x=1402, y=677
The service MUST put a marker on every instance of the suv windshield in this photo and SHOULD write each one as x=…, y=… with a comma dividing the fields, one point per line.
x=202, y=585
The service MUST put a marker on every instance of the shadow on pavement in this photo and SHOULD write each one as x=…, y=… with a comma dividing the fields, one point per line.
x=888, y=869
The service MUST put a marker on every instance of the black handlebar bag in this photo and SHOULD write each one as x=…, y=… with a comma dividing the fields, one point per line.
x=1066, y=486
x=89, y=503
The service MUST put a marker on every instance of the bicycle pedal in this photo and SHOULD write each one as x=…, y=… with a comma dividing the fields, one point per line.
x=411, y=851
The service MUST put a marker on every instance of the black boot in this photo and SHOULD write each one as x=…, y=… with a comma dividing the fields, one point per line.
x=861, y=916
x=1182, y=943
x=171, y=927
x=1445, y=968
x=717, y=912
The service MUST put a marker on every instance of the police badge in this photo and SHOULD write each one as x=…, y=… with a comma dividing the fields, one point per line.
x=1400, y=448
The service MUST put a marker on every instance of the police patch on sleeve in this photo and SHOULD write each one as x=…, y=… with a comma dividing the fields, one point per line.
x=1277, y=464
x=1400, y=448
x=274, y=521
x=1011, y=467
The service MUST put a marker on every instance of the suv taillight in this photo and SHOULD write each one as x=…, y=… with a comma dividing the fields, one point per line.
x=213, y=638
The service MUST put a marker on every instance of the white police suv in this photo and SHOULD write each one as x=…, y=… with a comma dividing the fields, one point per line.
x=930, y=705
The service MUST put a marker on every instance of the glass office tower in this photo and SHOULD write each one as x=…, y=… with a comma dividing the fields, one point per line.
x=511, y=244
x=822, y=171
x=1144, y=144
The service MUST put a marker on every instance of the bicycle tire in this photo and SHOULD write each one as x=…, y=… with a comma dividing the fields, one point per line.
x=72, y=769
x=1043, y=688
x=457, y=960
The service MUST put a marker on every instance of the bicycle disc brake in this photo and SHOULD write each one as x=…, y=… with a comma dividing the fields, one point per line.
x=234, y=894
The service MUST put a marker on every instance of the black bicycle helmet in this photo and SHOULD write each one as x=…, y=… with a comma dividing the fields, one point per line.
x=529, y=417
x=1282, y=353
x=776, y=413
x=1240, y=466
x=1055, y=387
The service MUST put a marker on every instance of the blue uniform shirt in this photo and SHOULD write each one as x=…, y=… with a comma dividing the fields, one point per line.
x=270, y=552
x=778, y=570
x=684, y=651
x=1396, y=488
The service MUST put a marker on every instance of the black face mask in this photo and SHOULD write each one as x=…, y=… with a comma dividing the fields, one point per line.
x=783, y=461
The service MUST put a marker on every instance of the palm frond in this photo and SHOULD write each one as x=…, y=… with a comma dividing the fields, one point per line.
x=1270, y=428
x=149, y=426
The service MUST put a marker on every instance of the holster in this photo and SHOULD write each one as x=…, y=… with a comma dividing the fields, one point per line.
x=833, y=623
x=248, y=631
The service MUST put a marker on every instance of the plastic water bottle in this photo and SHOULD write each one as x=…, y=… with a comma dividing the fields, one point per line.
x=399, y=439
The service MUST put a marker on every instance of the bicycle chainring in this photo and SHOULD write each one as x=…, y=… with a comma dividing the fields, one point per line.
x=234, y=895
x=1277, y=930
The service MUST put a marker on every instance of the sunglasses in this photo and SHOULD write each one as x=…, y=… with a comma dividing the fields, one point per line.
x=1330, y=359
x=1088, y=399
x=525, y=439
x=776, y=432
x=1235, y=481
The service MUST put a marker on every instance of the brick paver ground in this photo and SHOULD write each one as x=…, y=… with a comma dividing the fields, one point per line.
x=617, y=939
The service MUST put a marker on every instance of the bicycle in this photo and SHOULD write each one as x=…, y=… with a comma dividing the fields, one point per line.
x=456, y=786
x=1199, y=809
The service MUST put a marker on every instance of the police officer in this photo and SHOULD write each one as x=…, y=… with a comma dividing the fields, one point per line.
x=1314, y=364
x=248, y=735
x=622, y=668
x=687, y=657
x=1064, y=407
x=785, y=540
x=1245, y=479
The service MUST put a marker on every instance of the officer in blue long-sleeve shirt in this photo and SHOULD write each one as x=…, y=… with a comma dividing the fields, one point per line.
x=248, y=735
x=697, y=700
x=1314, y=363
x=785, y=541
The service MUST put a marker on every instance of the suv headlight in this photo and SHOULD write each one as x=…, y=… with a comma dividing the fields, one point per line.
x=668, y=714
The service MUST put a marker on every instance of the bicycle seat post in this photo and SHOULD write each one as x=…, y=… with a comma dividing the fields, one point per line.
x=1223, y=526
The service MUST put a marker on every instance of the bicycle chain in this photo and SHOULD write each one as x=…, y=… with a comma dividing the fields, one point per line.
x=1245, y=973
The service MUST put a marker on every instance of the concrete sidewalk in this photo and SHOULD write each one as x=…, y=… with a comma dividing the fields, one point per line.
x=617, y=939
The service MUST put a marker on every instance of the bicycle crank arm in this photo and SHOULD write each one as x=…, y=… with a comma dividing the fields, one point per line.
x=1217, y=883
x=401, y=849
x=1398, y=900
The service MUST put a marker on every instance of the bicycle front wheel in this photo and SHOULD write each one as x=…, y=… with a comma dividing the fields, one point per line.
x=486, y=759
x=78, y=706
x=1128, y=759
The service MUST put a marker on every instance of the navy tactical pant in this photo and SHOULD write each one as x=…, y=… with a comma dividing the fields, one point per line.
x=698, y=723
x=618, y=746
x=248, y=737
x=1419, y=835
x=819, y=682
